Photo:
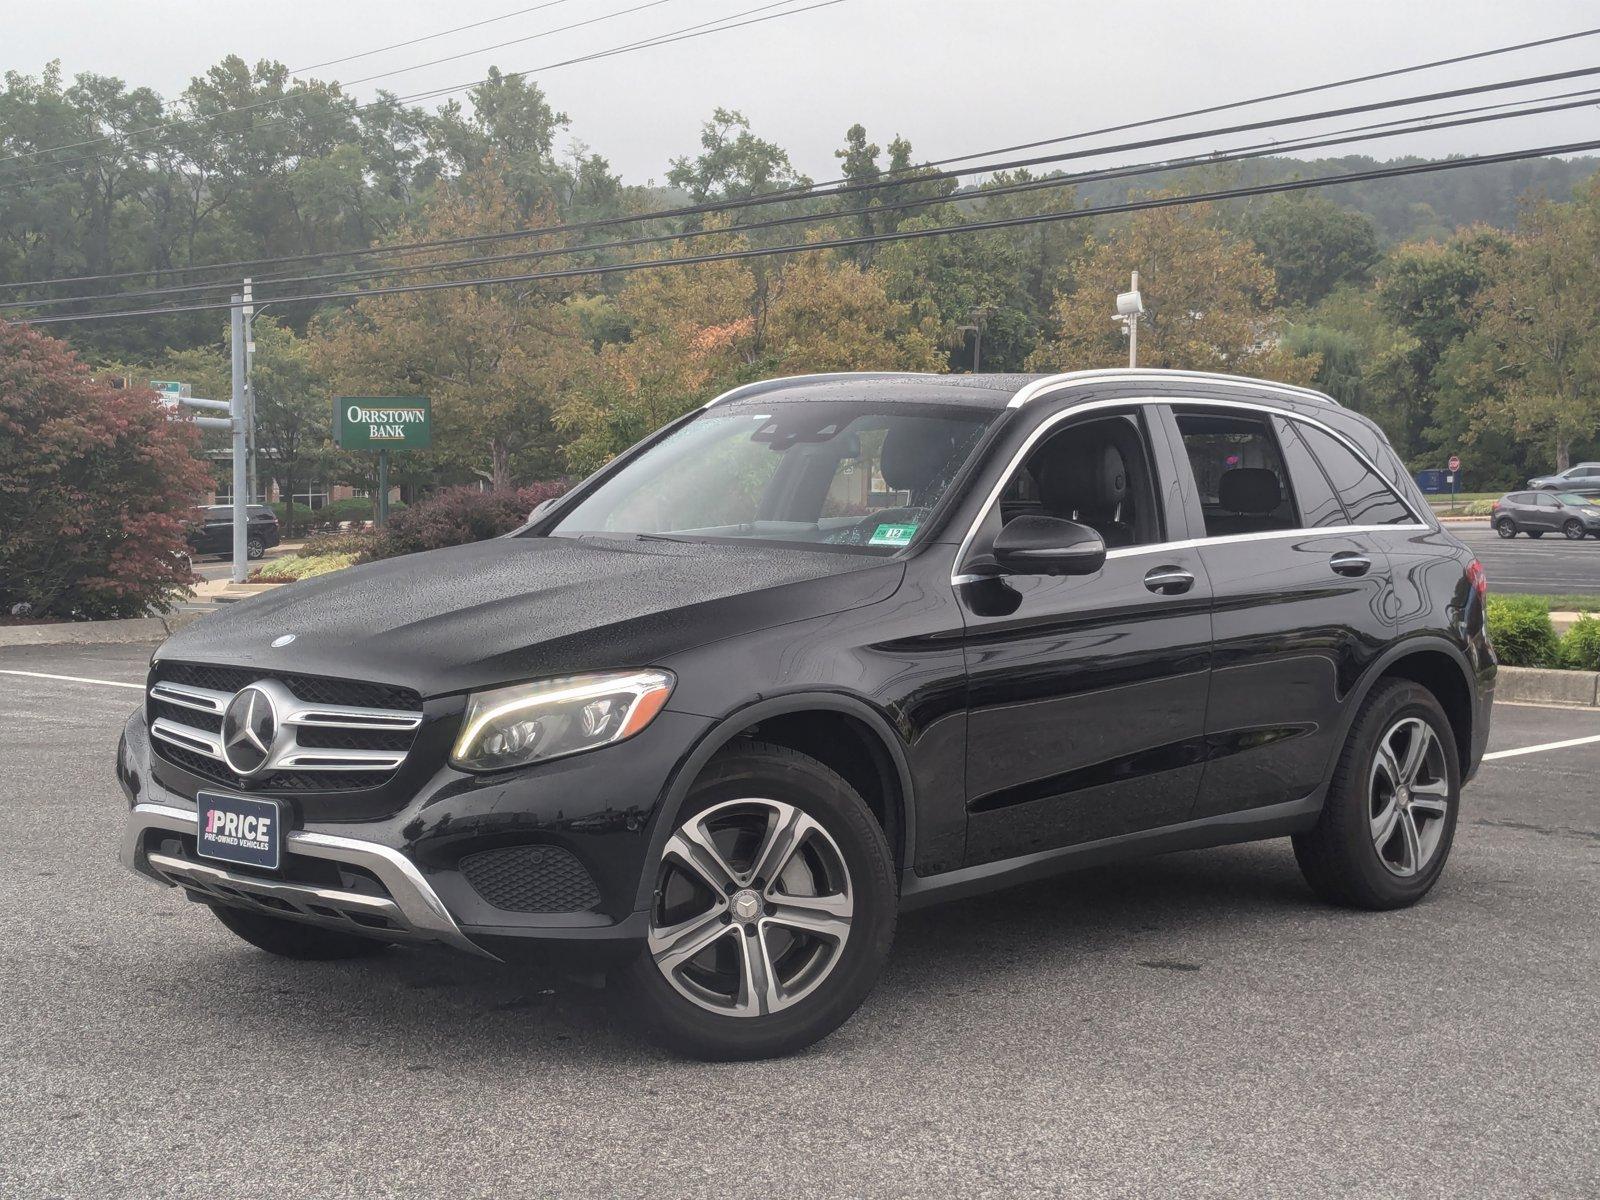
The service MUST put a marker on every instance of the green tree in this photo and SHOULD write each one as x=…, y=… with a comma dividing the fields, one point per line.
x=1538, y=307
x=1208, y=297
x=1313, y=244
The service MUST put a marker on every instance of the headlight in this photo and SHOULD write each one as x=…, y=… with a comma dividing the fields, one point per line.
x=530, y=722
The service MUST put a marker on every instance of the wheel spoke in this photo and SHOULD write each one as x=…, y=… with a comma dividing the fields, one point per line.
x=1411, y=846
x=676, y=945
x=693, y=848
x=786, y=828
x=1417, y=747
x=1383, y=824
x=1428, y=804
x=758, y=983
x=825, y=916
x=1388, y=762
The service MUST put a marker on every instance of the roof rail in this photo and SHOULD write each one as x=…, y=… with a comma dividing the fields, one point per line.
x=1051, y=383
x=747, y=390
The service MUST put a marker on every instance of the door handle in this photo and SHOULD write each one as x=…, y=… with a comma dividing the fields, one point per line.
x=1349, y=563
x=1169, y=581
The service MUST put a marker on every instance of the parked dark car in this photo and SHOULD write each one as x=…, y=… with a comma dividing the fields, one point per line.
x=212, y=531
x=1539, y=513
x=825, y=650
x=1582, y=480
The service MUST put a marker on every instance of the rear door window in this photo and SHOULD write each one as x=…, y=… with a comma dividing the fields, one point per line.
x=1367, y=498
x=1238, y=472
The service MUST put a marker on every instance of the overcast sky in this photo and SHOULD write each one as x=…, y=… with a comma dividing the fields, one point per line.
x=954, y=77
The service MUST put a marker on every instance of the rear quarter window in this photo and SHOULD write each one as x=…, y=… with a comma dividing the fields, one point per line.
x=1367, y=497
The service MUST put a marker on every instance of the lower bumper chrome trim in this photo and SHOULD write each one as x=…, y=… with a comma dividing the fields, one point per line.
x=413, y=909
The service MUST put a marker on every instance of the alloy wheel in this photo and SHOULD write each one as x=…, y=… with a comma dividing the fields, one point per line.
x=752, y=909
x=1506, y=528
x=1408, y=796
x=1573, y=530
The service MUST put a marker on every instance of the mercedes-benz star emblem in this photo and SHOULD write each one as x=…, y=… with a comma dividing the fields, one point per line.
x=249, y=727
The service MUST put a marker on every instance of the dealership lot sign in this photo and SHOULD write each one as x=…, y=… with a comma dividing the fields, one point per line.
x=382, y=422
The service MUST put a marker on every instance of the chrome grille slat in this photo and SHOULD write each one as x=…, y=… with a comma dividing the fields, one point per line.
x=292, y=764
x=201, y=741
x=343, y=716
x=200, y=699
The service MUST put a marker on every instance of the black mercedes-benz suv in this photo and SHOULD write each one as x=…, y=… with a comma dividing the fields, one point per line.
x=824, y=650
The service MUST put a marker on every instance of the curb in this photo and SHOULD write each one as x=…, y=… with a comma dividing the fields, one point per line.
x=1539, y=685
x=97, y=633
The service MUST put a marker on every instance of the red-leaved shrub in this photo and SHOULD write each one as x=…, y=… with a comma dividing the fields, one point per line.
x=456, y=516
x=96, y=484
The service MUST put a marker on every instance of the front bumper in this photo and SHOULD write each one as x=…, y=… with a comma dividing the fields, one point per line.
x=397, y=874
x=411, y=910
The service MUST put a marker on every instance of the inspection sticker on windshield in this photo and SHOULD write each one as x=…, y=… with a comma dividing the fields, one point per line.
x=892, y=535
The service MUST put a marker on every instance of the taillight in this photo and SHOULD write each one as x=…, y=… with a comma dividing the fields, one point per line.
x=1478, y=577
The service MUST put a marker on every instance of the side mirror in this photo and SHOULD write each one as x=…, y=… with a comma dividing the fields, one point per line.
x=1037, y=545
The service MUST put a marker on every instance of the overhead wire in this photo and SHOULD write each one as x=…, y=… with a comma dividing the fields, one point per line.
x=1130, y=206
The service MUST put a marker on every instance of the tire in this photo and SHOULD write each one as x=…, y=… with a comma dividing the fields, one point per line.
x=1574, y=530
x=255, y=548
x=1506, y=527
x=1345, y=857
x=697, y=990
x=293, y=939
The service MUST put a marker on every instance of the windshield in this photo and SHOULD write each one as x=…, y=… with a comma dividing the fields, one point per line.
x=1574, y=498
x=829, y=474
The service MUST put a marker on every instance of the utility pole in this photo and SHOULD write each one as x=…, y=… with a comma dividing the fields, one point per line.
x=241, y=503
x=249, y=386
x=1130, y=307
x=976, y=330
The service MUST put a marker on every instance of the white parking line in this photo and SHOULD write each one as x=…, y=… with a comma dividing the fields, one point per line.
x=1583, y=741
x=76, y=679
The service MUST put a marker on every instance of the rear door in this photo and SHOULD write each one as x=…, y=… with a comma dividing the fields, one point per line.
x=1086, y=694
x=1299, y=588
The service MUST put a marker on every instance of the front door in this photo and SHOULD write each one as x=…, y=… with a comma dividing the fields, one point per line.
x=1086, y=694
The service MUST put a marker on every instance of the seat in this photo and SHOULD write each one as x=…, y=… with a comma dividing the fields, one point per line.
x=1252, y=497
x=1085, y=479
x=914, y=456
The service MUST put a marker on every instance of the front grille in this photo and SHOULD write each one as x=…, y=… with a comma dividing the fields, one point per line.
x=342, y=735
x=533, y=879
x=317, y=689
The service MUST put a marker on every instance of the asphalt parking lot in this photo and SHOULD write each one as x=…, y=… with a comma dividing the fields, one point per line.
x=1550, y=565
x=1195, y=1025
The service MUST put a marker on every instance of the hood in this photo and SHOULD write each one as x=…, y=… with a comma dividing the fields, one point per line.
x=520, y=608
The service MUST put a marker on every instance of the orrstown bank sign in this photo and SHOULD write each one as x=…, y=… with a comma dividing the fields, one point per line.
x=382, y=422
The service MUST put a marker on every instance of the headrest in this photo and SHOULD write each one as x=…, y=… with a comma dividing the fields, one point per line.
x=1249, y=490
x=1083, y=476
x=914, y=452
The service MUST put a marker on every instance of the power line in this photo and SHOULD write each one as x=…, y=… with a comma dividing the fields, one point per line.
x=771, y=197
x=1361, y=133
x=521, y=12
x=683, y=34
x=872, y=239
x=921, y=177
x=1303, y=91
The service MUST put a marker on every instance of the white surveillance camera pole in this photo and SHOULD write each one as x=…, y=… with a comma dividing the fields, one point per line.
x=1130, y=307
x=1133, y=325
